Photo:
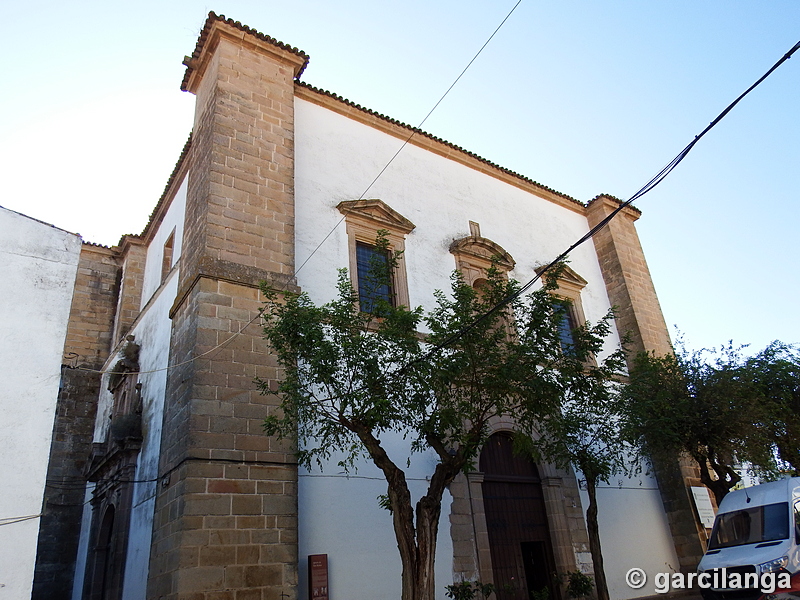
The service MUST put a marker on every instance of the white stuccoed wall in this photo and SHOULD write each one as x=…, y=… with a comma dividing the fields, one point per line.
x=336, y=159
x=152, y=332
x=634, y=532
x=38, y=265
x=172, y=222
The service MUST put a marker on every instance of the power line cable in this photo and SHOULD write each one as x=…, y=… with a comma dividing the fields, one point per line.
x=162, y=476
x=649, y=186
x=408, y=139
x=414, y=132
x=12, y=520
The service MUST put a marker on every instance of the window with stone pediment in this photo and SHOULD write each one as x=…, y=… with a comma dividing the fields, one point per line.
x=568, y=293
x=364, y=218
x=475, y=255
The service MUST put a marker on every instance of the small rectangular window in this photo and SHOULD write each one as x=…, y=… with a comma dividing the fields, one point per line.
x=374, y=283
x=166, y=263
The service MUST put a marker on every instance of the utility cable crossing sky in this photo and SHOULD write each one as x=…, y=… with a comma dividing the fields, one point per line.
x=649, y=186
x=414, y=132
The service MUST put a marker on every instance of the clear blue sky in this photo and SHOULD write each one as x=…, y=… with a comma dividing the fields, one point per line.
x=583, y=96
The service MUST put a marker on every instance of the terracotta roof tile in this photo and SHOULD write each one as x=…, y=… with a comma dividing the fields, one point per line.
x=184, y=154
x=94, y=245
x=201, y=40
x=615, y=199
x=213, y=17
x=419, y=131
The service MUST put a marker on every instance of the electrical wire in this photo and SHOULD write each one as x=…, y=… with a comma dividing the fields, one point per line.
x=12, y=520
x=78, y=483
x=414, y=132
x=649, y=186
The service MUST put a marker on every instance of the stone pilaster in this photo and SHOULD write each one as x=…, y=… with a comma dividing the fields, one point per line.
x=226, y=511
x=630, y=289
x=628, y=282
x=133, y=254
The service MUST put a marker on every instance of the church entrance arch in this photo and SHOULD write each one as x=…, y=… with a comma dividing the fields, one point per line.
x=516, y=520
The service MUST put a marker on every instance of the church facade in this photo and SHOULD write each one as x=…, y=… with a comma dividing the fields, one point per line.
x=184, y=495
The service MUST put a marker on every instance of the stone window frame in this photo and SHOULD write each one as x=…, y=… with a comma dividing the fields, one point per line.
x=363, y=220
x=570, y=286
x=474, y=256
x=167, y=255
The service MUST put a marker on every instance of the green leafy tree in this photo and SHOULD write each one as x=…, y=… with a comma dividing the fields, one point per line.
x=710, y=406
x=354, y=378
x=585, y=433
x=776, y=370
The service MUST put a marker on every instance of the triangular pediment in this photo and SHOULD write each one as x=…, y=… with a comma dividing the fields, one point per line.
x=377, y=212
x=567, y=277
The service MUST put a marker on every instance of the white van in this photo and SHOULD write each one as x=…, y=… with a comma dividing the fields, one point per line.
x=756, y=537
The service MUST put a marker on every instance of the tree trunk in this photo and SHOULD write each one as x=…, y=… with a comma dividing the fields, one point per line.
x=726, y=477
x=594, y=540
x=416, y=541
x=428, y=511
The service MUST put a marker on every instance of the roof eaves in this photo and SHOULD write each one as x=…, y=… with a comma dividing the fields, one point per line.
x=95, y=245
x=419, y=131
x=613, y=199
x=172, y=178
x=190, y=61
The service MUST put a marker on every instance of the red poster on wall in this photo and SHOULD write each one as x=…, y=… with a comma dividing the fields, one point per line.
x=318, y=577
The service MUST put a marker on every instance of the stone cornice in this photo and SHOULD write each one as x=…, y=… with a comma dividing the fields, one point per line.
x=483, y=248
x=431, y=143
x=611, y=203
x=378, y=212
x=244, y=275
x=217, y=27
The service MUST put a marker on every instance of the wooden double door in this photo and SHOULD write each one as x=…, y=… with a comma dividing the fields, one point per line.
x=516, y=518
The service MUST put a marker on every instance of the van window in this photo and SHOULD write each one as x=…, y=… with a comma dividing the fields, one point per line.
x=751, y=526
x=797, y=522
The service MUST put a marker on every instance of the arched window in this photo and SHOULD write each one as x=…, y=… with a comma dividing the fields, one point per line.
x=474, y=256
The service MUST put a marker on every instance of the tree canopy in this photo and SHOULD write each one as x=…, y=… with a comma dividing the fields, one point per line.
x=352, y=378
x=723, y=409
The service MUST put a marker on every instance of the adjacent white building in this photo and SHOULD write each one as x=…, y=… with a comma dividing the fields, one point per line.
x=39, y=264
